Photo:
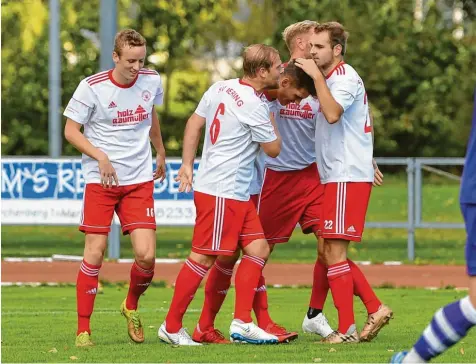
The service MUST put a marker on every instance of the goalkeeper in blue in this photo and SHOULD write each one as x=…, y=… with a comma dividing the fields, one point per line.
x=452, y=322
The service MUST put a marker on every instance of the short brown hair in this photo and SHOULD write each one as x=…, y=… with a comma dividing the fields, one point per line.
x=293, y=30
x=299, y=78
x=258, y=56
x=337, y=34
x=128, y=37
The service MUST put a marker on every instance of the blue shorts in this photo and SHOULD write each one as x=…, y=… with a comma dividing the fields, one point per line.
x=469, y=214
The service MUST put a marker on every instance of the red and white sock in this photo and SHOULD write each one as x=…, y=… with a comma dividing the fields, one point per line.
x=342, y=288
x=140, y=281
x=363, y=290
x=246, y=281
x=187, y=283
x=218, y=283
x=86, y=290
x=320, y=286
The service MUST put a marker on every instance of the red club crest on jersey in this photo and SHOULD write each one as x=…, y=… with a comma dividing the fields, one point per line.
x=146, y=95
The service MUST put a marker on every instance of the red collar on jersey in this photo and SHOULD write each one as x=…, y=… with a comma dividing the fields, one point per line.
x=246, y=84
x=341, y=63
x=119, y=84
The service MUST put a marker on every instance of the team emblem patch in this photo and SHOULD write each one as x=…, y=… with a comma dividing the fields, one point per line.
x=146, y=95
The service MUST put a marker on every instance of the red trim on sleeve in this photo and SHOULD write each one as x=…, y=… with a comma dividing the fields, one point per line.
x=98, y=80
x=335, y=68
x=96, y=76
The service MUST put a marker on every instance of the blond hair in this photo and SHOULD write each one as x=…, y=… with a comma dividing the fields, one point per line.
x=258, y=56
x=337, y=34
x=128, y=37
x=293, y=30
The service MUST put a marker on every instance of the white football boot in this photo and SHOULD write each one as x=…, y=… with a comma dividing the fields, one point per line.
x=250, y=333
x=317, y=325
x=181, y=338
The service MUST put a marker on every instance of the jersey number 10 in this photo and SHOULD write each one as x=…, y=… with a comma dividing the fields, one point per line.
x=215, y=127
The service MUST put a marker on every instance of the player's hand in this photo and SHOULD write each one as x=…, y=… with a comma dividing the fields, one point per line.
x=308, y=66
x=378, y=176
x=107, y=172
x=185, y=177
x=160, y=170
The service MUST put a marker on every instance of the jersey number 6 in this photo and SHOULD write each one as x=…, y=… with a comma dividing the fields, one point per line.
x=215, y=127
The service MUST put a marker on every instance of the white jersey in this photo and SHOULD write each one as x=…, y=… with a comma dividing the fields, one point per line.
x=345, y=149
x=117, y=120
x=297, y=125
x=237, y=120
x=258, y=173
x=259, y=164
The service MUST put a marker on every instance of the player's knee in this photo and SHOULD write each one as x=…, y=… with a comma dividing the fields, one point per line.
x=94, y=248
x=146, y=260
x=205, y=260
x=334, y=251
x=229, y=260
x=258, y=248
x=322, y=258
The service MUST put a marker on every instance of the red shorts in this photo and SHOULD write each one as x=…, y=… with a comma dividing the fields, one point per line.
x=344, y=209
x=134, y=204
x=255, y=200
x=289, y=198
x=223, y=224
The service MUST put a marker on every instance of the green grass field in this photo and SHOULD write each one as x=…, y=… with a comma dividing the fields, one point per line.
x=388, y=203
x=38, y=325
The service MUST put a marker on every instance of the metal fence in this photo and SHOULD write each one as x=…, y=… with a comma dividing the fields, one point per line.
x=415, y=167
x=414, y=170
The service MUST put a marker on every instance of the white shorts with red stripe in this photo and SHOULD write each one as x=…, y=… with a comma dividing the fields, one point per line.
x=344, y=209
x=223, y=224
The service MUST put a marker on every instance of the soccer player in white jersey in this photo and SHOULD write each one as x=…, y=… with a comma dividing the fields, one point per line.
x=344, y=149
x=116, y=110
x=294, y=85
x=291, y=194
x=237, y=122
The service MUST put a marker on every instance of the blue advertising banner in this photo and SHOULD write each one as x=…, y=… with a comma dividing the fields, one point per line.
x=50, y=191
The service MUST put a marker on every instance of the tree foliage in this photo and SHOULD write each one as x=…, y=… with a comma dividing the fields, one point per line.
x=419, y=78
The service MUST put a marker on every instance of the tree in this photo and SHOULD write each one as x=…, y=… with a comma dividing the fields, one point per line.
x=25, y=68
x=418, y=79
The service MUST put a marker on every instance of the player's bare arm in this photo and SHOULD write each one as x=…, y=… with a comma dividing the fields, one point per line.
x=191, y=138
x=329, y=106
x=73, y=134
x=156, y=139
x=273, y=148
